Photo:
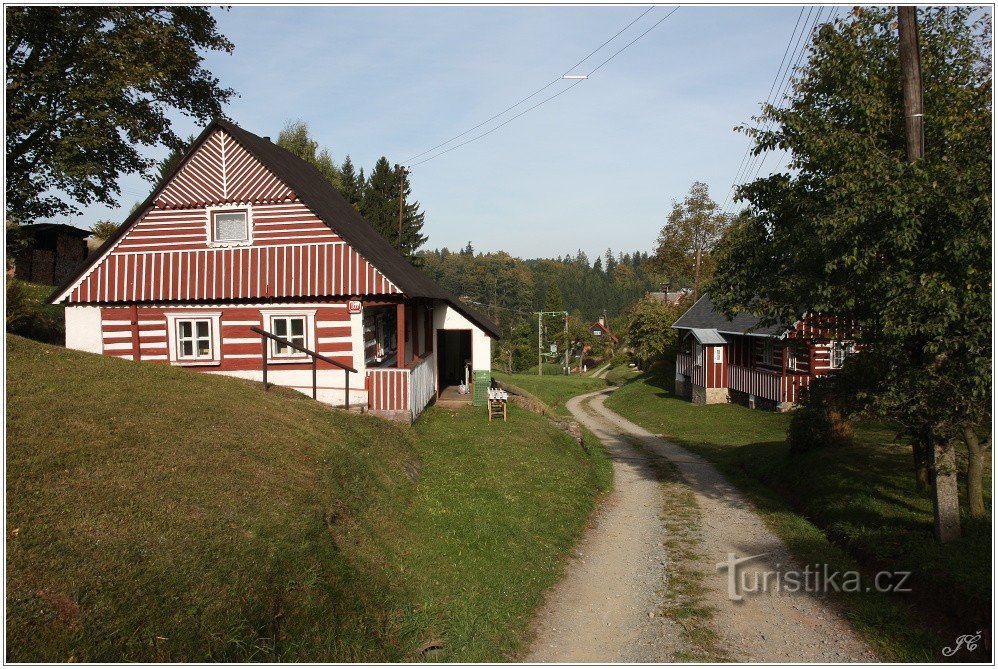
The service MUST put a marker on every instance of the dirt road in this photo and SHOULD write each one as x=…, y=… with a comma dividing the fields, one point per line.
x=608, y=607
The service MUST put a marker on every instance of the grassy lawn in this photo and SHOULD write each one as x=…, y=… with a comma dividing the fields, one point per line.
x=621, y=374
x=849, y=508
x=553, y=390
x=156, y=514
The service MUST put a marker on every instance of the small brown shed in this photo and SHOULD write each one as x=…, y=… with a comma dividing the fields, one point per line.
x=51, y=252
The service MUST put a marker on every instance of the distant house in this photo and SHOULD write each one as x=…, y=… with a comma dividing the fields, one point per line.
x=667, y=296
x=741, y=360
x=51, y=252
x=244, y=234
x=600, y=329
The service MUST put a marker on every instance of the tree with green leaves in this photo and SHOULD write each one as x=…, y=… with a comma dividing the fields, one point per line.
x=380, y=206
x=687, y=240
x=102, y=230
x=88, y=86
x=904, y=248
x=297, y=138
x=649, y=331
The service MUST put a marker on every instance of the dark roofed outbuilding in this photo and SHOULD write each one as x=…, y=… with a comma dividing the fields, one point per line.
x=48, y=253
x=704, y=316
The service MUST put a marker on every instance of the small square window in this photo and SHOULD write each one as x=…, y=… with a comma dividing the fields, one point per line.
x=194, y=340
x=291, y=328
x=230, y=226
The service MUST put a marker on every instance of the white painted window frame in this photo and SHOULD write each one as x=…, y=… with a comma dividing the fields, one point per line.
x=173, y=337
x=294, y=356
x=843, y=348
x=718, y=355
x=768, y=353
x=224, y=209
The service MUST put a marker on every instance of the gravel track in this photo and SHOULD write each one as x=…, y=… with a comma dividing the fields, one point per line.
x=606, y=607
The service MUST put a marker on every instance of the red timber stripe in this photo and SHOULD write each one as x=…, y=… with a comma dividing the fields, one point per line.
x=388, y=389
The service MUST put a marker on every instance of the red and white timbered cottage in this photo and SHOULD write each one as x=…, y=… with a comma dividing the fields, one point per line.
x=243, y=234
x=740, y=360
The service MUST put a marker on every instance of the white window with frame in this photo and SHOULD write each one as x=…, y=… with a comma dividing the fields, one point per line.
x=718, y=355
x=230, y=225
x=698, y=353
x=768, y=353
x=296, y=326
x=193, y=338
x=839, y=352
x=791, y=359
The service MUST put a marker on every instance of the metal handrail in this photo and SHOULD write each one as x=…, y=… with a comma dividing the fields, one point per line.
x=264, y=335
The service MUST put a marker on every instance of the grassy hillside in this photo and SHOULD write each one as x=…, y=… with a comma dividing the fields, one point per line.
x=848, y=507
x=156, y=514
x=553, y=390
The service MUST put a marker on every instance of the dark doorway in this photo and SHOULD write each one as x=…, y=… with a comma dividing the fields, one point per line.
x=453, y=357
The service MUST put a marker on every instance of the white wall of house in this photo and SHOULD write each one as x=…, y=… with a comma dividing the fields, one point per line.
x=83, y=328
x=331, y=383
x=446, y=317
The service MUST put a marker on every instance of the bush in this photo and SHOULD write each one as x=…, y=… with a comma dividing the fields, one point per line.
x=28, y=316
x=818, y=421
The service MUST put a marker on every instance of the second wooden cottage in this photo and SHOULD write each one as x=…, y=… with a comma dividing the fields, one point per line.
x=243, y=234
x=741, y=360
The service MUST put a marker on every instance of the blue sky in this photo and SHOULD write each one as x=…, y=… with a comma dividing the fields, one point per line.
x=597, y=167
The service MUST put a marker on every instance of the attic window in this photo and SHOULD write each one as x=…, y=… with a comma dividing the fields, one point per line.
x=230, y=226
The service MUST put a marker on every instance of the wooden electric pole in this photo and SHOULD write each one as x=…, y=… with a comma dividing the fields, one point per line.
x=945, y=490
x=911, y=75
x=696, y=277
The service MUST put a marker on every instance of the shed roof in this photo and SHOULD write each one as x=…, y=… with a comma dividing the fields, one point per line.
x=35, y=228
x=708, y=336
x=703, y=316
x=317, y=194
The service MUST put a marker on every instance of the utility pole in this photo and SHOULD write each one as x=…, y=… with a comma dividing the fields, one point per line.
x=566, y=344
x=696, y=278
x=945, y=490
x=540, y=336
x=911, y=75
x=401, y=172
x=540, y=330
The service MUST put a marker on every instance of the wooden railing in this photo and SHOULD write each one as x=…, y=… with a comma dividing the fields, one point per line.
x=410, y=389
x=754, y=382
x=387, y=389
x=422, y=385
x=264, y=336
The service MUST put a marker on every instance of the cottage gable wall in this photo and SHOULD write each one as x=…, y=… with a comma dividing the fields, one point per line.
x=168, y=253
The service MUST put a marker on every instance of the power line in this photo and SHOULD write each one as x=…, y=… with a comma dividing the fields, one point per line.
x=772, y=87
x=756, y=163
x=789, y=81
x=552, y=97
x=780, y=91
x=539, y=90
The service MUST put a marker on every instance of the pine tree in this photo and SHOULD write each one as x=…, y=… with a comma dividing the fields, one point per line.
x=353, y=183
x=379, y=206
x=172, y=160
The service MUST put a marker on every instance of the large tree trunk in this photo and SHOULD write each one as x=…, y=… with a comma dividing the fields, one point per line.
x=945, y=491
x=921, y=450
x=975, y=472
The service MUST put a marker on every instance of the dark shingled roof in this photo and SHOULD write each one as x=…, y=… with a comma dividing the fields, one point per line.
x=33, y=228
x=319, y=195
x=703, y=315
